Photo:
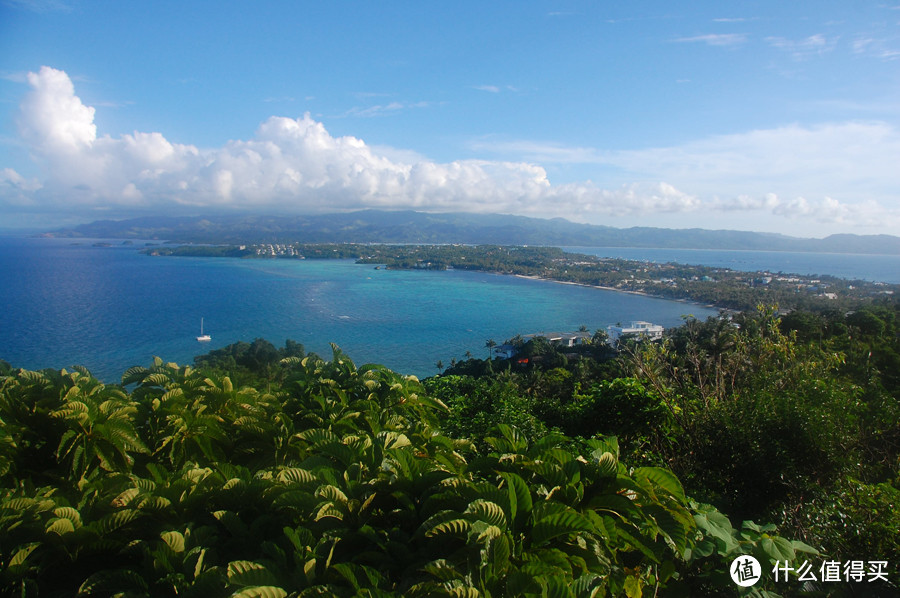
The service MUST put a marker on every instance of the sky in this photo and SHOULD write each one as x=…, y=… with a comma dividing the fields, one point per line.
x=765, y=115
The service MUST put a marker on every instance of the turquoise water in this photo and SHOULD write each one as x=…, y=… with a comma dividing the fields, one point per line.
x=109, y=308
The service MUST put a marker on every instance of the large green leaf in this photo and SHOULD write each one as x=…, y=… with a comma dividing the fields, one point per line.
x=69, y=513
x=559, y=524
x=295, y=475
x=488, y=511
x=134, y=374
x=454, y=526
x=22, y=554
x=799, y=546
x=607, y=464
x=674, y=527
x=519, y=495
x=557, y=587
x=260, y=592
x=61, y=527
x=663, y=478
x=114, y=582
x=248, y=573
x=117, y=519
x=499, y=553
x=174, y=539
x=777, y=549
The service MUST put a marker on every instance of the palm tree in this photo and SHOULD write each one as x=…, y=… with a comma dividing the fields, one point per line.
x=490, y=344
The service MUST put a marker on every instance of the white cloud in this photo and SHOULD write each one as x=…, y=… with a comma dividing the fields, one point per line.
x=716, y=39
x=296, y=165
x=814, y=45
x=850, y=168
x=854, y=159
x=16, y=190
x=53, y=117
x=881, y=48
x=496, y=88
x=385, y=109
x=289, y=164
x=628, y=200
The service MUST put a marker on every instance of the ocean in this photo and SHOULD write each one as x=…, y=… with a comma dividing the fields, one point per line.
x=852, y=266
x=109, y=308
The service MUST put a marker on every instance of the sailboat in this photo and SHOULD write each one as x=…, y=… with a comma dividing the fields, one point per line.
x=203, y=337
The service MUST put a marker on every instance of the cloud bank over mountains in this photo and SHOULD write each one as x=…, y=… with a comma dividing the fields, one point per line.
x=296, y=165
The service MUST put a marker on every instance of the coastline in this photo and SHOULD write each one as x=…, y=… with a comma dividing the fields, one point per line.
x=630, y=292
x=714, y=287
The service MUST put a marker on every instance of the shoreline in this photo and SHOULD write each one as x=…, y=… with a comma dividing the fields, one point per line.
x=616, y=290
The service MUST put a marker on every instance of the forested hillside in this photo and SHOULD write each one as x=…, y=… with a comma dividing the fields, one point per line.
x=639, y=470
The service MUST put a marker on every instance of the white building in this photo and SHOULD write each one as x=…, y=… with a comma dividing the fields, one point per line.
x=559, y=339
x=637, y=328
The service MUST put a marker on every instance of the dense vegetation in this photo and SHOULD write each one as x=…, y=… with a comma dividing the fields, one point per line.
x=792, y=420
x=266, y=471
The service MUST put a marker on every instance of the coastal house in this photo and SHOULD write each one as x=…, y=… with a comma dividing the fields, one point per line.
x=563, y=339
x=560, y=339
x=637, y=328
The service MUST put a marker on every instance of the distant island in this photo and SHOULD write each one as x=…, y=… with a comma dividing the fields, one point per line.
x=374, y=226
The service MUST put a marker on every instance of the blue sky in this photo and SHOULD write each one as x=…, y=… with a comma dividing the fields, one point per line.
x=770, y=116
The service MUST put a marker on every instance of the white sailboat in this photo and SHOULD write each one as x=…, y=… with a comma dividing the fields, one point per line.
x=203, y=337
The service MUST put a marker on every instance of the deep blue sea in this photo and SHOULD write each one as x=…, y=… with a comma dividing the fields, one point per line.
x=852, y=266
x=109, y=308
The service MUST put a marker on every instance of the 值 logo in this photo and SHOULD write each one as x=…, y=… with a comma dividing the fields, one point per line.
x=745, y=571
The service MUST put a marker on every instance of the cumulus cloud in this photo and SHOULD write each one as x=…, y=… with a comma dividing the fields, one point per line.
x=289, y=164
x=296, y=165
x=53, y=118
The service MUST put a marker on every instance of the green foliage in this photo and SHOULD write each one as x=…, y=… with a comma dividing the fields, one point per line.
x=788, y=419
x=339, y=481
x=287, y=474
x=857, y=518
x=250, y=363
x=720, y=542
x=769, y=427
x=624, y=407
x=477, y=404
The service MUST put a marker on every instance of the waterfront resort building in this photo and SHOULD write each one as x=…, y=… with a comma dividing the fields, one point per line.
x=559, y=339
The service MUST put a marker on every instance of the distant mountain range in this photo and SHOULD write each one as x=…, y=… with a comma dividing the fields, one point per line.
x=373, y=226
